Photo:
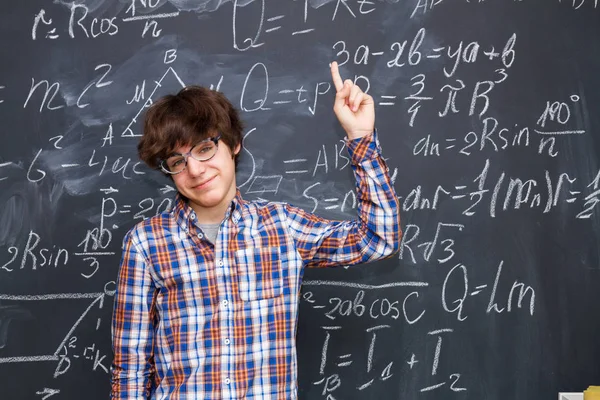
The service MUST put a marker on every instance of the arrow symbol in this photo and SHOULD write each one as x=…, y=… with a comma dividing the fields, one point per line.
x=167, y=189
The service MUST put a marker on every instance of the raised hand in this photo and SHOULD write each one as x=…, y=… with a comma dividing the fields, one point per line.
x=353, y=108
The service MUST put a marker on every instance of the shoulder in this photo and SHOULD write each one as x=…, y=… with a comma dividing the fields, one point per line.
x=258, y=207
x=267, y=210
x=282, y=212
x=150, y=229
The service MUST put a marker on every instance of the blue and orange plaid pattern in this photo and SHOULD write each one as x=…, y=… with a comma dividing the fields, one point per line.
x=193, y=320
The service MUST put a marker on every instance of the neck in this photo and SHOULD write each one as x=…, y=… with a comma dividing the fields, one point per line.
x=210, y=216
x=216, y=214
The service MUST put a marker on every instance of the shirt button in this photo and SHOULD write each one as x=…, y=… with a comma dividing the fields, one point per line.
x=200, y=236
x=225, y=303
x=220, y=263
x=227, y=341
x=193, y=216
x=227, y=381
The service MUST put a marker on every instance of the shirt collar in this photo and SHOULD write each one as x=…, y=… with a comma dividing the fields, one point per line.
x=185, y=216
x=235, y=211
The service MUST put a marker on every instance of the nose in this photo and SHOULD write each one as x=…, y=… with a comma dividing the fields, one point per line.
x=195, y=167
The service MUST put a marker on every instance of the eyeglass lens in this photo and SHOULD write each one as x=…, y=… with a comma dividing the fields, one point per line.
x=200, y=152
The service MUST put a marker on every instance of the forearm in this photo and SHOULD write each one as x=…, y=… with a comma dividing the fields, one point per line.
x=372, y=235
x=378, y=222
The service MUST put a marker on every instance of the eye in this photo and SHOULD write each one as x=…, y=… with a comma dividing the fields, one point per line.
x=204, y=148
x=175, y=162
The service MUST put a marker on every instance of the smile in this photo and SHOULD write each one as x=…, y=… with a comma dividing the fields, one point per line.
x=204, y=184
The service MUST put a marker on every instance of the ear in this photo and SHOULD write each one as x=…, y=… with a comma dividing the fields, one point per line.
x=237, y=149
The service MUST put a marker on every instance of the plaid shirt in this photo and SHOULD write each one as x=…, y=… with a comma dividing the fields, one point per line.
x=193, y=320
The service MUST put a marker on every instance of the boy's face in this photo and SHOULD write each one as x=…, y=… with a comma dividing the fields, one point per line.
x=209, y=185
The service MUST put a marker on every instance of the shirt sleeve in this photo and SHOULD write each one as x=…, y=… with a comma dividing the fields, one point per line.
x=373, y=235
x=133, y=367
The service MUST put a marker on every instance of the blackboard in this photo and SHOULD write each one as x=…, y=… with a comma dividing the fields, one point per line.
x=488, y=116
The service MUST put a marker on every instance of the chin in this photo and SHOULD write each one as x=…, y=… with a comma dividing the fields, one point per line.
x=208, y=201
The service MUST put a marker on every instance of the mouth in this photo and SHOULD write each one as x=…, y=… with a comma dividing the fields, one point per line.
x=205, y=183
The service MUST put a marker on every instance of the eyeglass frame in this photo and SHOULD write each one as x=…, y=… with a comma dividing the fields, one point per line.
x=188, y=154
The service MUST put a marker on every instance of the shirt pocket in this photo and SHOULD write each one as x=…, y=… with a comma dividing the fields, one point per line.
x=259, y=273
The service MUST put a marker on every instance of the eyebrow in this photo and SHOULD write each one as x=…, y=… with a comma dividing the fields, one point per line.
x=196, y=144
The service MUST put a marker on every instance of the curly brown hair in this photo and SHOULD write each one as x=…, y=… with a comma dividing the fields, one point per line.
x=191, y=115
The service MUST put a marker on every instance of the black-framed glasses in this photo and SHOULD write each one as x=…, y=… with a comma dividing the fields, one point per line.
x=203, y=151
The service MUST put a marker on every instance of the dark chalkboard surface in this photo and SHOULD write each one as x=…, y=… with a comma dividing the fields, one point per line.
x=488, y=114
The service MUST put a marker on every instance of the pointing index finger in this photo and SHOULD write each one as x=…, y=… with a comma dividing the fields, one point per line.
x=335, y=75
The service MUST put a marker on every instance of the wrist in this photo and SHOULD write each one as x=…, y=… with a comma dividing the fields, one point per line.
x=358, y=134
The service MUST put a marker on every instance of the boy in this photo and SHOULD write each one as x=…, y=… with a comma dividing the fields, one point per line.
x=208, y=293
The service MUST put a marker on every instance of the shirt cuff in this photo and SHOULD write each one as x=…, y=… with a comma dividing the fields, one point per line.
x=363, y=148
